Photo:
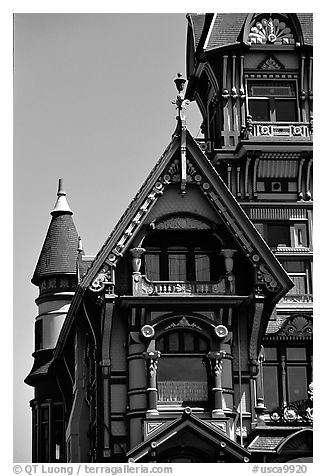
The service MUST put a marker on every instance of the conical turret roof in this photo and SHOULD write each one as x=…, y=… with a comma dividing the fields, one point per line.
x=60, y=248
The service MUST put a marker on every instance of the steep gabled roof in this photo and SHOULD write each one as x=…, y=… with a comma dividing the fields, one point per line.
x=213, y=435
x=226, y=29
x=217, y=193
x=213, y=187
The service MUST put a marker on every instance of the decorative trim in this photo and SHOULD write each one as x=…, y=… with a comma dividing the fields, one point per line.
x=103, y=278
x=183, y=323
x=270, y=63
x=272, y=31
x=150, y=427
x=181, y=222
x=297, y=326
x=277, y=213
x=270, y=75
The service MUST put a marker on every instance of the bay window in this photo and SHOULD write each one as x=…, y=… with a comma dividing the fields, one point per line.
x=272, y=101
x=182, y=372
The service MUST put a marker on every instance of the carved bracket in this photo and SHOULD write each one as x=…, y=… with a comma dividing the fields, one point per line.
x=103, y=278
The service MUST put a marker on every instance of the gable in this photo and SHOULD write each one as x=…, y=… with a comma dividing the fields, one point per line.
x=192, y=432
x=211, y=197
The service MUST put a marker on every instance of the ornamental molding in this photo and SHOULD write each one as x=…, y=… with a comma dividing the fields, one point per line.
x=270, y=63
x=266, y=278
x=298, y=326
x=270, y=75
x=270, y=31
x=183, y=323
x=104, y=277
x=151, y=427
x=181, y=223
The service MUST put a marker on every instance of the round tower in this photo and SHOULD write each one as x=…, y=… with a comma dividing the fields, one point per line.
x=56, y=277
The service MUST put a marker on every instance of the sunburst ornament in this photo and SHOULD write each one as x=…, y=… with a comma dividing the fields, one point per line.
x=270, y=30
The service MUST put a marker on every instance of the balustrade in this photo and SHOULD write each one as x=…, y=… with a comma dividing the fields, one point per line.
x=142, y=286
x=281, y=129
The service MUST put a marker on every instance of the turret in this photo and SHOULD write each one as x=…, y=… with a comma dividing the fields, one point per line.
x=56, y=277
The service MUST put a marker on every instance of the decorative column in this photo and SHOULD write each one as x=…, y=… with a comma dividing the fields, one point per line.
x=260, y=406
x=151, y=357
x=216, y=359
x=136, y=254
x=228, y=263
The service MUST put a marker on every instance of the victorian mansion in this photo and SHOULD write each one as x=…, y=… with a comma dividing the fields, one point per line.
x=188, y=337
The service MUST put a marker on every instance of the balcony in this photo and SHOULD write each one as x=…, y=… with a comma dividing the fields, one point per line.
x=143, y=287
x=297, y=298
x=297, y=130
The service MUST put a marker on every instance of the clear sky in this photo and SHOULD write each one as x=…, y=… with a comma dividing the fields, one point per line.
x=92, y=105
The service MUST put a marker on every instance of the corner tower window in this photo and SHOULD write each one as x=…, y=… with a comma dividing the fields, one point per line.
x=272, y=101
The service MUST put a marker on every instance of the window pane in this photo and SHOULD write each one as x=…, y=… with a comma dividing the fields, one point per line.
x=299, y=285
x=177, y=369
x=152, y=266
x=294, y=266
x=202, y=263
x=286, y=110
x=173, y=342
x=296, y=353
x=270, y=387
x=202, y=345
x=272, y=88
x=259, y=109
x=297, y=383
x=177, y=384
x=177, y=267
x=189, y=342
x=270, y=353
x=279, y=235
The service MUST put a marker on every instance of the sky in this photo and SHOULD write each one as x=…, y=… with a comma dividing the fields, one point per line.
x=92, y=105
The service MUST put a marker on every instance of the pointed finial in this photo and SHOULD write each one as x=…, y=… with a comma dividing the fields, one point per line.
x=80, y=246
x=61, y=205
x=180, y=101
x=180, y=82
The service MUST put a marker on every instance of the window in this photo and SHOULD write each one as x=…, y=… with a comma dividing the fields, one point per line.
x=182, y=373
x=298, y=272
x=284, y=234
x=287, y=374
x=181, y=256
x=272, y=101
x=278, y=235
x=49, y=429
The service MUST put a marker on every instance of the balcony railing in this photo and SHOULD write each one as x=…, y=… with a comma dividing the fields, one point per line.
x=281, y=129
x=178, y=392
x=143, y=287
x=297, y=298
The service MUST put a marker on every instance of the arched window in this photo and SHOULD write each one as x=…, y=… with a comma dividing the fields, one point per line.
x=182, y=372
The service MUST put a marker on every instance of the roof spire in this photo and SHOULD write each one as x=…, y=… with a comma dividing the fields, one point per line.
x=61, y=205
x=181, y=104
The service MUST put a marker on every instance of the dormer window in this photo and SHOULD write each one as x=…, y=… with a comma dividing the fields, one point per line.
x=272, y=101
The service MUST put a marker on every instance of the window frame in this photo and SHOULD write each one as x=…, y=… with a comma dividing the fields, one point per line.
x=272, y=99
x=197, y=353
x=282, y=363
